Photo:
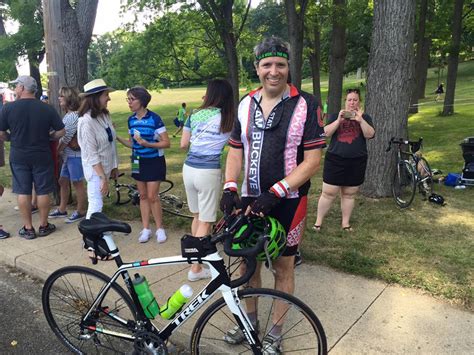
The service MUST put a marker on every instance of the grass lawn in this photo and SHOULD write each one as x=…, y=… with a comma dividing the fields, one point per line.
x=426, y=246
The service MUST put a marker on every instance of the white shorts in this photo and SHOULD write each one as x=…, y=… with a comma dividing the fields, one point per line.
x=203, y=188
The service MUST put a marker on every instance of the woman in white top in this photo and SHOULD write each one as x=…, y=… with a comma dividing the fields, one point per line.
x=206, y=132
x=96, y=136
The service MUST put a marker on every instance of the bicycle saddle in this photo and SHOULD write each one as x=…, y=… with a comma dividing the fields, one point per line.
x=100, y=223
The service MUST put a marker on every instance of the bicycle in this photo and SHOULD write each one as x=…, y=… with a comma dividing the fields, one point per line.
x=412, y=171
x=169, y=203
x=90, y=312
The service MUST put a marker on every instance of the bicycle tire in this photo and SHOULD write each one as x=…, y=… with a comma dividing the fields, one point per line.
x=67, y=295
x=426, y=186
x=165, y=186
x=175, y=205
x=302, y=331
x=404, y=184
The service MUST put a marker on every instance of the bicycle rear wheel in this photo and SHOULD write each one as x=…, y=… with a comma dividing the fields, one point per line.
x=426, y=174
x=68, y=294
x=301, y=333
x=175, y=205
x=404, y=184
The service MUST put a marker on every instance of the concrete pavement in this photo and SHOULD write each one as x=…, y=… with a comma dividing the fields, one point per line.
x=359, y=315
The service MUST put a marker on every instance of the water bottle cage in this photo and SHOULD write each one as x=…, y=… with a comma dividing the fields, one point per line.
x=193, y=247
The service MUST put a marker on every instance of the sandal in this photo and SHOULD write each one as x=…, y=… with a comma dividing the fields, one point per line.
x=347, y=229
x=316, y=228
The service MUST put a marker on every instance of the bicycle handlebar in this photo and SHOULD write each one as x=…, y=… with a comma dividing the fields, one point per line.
x=401, y=141
x=249, y=254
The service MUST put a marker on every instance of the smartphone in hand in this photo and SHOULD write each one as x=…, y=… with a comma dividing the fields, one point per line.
x=347, y=115
x=136, y=134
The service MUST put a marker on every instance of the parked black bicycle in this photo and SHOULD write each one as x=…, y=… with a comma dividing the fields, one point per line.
x=91, y=313
x=412, y=171
x=170, y=203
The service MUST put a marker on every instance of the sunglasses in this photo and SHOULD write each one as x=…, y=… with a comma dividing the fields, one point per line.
x=110, y=137
x=357, y=91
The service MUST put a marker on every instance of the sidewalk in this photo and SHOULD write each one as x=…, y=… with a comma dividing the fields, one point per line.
x=359, y=315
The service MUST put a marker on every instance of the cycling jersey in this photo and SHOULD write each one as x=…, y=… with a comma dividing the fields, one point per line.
x=274, y=147
x=150, y=127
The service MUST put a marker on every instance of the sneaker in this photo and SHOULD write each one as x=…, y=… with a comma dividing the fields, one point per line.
x=298, y=258
x=235, y=335
x=27, y=233
x=160, y=235
x=34, y=209
x=74, y=217
x=56, y=213
x=3, y=233
x=196, y=276
x=144, y=235
x=46, y=230
x=271, y=345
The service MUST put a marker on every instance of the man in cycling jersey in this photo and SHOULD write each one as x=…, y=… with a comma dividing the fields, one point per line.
x=278, y=138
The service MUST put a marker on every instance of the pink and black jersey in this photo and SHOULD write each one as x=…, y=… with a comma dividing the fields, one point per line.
x=274, y=147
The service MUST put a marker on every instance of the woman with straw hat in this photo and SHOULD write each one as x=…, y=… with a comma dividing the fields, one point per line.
x=96, y=136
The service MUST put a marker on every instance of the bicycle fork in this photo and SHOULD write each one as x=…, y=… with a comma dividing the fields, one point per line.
x=233, y=303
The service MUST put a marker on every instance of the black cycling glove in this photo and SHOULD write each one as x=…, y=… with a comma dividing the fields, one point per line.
x=264, y=203
x=230, y=200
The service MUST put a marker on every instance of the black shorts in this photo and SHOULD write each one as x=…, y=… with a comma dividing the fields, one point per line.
x=291, y=213
x=340, y=171
x=151, y=169
x=24, y=175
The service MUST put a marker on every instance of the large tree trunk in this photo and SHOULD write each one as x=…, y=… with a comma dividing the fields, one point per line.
x=232, y=64
x=295, y=35
x=77, y=26
x=315, y=61
x=390, y=72
x=424, y=66
x=419, y=56
x=337, y=56
x=453, y=59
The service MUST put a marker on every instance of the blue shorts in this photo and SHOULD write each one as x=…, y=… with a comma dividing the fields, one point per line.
x=24, y=175
x=72, y=169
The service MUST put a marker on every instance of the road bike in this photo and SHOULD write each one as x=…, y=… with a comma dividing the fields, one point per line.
x=91, y=313
x=412, y=171
x=170, y=203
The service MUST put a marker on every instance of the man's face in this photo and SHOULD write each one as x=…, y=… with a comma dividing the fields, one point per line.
x=273, y=74
x=19, y=89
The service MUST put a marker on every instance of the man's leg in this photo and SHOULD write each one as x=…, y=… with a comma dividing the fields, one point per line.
x=24, y=205
x=43, y=206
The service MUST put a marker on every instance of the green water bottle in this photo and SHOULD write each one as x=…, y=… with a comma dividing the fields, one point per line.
x=176, y=302
x=145, y=296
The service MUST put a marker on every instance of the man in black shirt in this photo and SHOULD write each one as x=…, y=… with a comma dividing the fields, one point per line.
x=28, y=124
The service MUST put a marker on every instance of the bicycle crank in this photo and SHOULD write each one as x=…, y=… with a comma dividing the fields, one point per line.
x=149, y=343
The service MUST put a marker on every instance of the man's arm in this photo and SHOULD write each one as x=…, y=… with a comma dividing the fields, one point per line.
x=306, y=170
x=58, y=134
x=233, y=164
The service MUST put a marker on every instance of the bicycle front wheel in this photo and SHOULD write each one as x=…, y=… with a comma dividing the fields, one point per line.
x=404, y=184
x=301, y=331
x=68, y=294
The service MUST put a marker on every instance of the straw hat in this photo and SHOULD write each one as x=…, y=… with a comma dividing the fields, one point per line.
x=95, y=86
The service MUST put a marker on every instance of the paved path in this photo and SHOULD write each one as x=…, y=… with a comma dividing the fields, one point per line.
x=359, y=315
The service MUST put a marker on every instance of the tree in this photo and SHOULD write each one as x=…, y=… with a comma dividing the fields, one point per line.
x=295, y=13
x=421, y=63
x=453, y=59
x=28, y=40
x=7, y=58
x=390, y=72
x=68, y=30
x=337, y=55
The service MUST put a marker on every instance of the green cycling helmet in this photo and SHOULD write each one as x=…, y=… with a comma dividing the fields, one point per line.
x=248, y=234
